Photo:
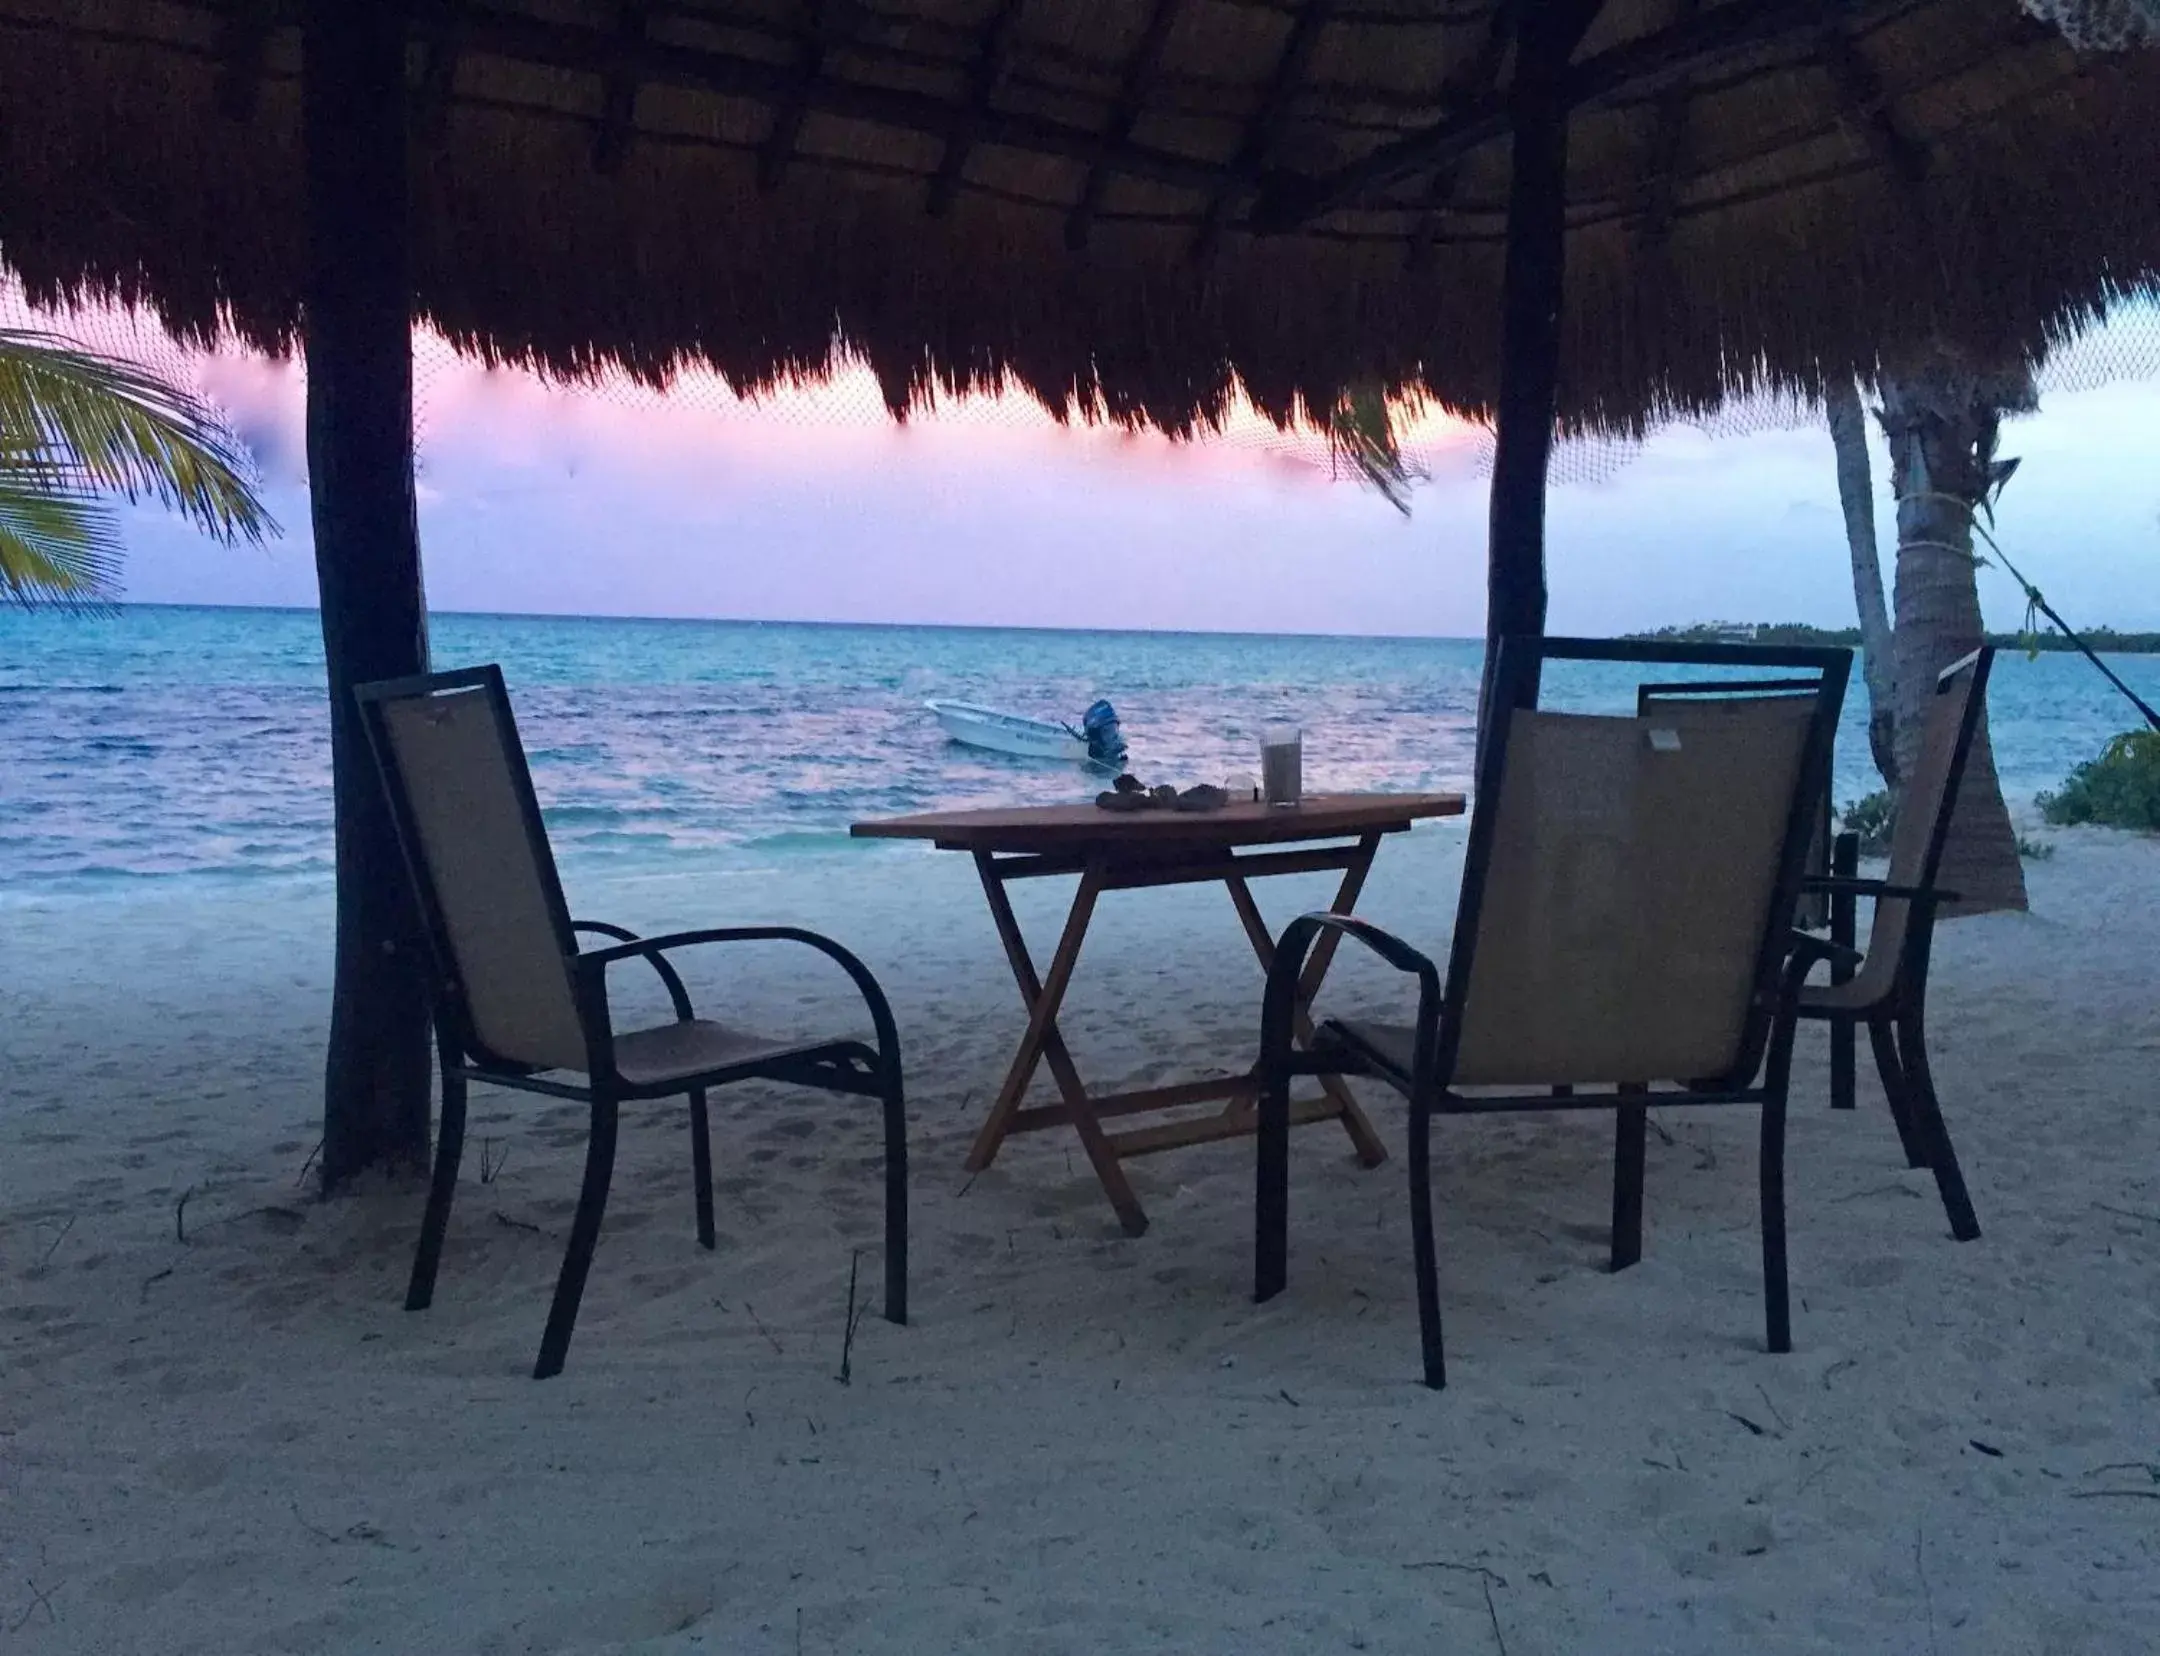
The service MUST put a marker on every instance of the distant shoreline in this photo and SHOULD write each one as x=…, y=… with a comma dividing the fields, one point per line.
x=782, y=622
x=2103, y=639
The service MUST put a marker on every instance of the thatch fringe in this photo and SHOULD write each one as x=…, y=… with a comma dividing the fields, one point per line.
x=562, y=224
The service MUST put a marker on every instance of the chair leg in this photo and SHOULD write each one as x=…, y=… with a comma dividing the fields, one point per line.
x=894, y=1100
x=1934, y=1133
x=701, y=1167
x=1898, y=1090
x=442, y=1191
x=1627, y=1192
x=1271, y=1193
x=1844, y=862
x=1777, y=1303
x=1843, y=1055
x=584, y=1236
x=1421, y=1238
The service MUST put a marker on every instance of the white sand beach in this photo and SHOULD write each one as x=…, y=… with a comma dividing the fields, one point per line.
x=239, y=1442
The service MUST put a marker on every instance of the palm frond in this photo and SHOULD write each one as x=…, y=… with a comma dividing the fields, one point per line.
x=57, y=545
x=1361, y=438
x=108, y=426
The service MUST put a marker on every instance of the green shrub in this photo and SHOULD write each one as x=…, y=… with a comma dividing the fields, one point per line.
x=1872, y=818
x=2120, y=789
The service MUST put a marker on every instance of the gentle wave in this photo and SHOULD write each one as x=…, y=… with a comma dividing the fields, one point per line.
x=834, y=840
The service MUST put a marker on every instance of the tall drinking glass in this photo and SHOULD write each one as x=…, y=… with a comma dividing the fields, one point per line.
x=1282, y=764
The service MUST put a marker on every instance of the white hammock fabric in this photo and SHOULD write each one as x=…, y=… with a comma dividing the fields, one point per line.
x=2100, y=25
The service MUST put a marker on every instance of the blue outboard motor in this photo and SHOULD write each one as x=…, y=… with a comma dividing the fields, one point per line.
x=1106, y=745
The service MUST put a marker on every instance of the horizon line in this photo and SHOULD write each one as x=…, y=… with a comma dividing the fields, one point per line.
x=769, y=621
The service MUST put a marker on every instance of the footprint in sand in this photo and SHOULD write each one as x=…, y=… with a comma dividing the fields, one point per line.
x=34, y=1316
x=181, y=1381
x=1874, y=1273
x=561, y=1138
x=607, y=1621
x=138, y=1584
x=193, y=1470
x=1711, y=1543
x=658, y=1283
x=282, y=1301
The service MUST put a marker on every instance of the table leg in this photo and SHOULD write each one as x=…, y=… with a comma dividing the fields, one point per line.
x=1042, y=1041
x=1366, y=1142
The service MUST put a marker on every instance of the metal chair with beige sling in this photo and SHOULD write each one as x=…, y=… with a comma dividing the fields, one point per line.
x=1888, y=992
x=1623, y=939
x=517, y=1004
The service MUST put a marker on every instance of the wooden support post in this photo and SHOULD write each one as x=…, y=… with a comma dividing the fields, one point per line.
x=1467, y=89
x=983, y=77
x=1263, y=127
x=791, y=110
x=427, y=112
x=367, y=560
x=242, y=42
x=1132, y=97
x=618, y=115
x=1546, y=37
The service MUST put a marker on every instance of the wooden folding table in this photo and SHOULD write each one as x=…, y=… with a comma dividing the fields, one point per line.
x=1127, y=851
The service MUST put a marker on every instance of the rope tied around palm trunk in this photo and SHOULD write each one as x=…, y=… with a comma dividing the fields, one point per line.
x=2036, y=604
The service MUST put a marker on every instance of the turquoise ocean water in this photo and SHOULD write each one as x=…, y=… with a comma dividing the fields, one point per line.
x=173, y=745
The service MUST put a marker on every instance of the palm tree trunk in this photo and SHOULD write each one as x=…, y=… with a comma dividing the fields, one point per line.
x=367, y=560
x=1942, y=425
x=1532, y=288
x=1856, y=494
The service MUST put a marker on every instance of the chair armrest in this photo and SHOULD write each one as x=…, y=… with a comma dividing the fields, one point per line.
x=1288, y=966
x=1385, y=944
x=1839, y=885
x=1808, y=950
x=595, y=963
x=668, y=975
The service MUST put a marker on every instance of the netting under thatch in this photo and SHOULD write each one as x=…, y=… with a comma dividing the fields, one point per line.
x=1129, y=207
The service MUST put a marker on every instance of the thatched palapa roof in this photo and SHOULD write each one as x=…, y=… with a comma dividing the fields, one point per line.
x=1125, y=204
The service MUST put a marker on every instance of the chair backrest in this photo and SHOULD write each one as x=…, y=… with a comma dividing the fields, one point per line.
x=1812, y=911
x=462, y=799
x=1629, y=881
x=1926, y=802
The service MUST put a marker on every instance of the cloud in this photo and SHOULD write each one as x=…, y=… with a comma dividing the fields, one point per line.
x=812, y=503
x=265, y=402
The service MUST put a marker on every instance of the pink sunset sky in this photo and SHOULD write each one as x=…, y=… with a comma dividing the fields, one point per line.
x=814, y=506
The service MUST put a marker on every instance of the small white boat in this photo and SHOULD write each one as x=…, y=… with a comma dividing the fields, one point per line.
x=986, y=727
